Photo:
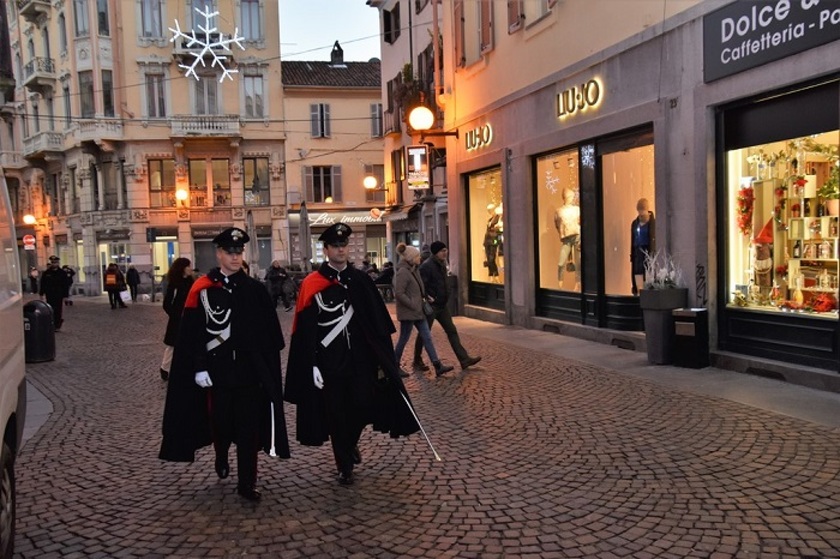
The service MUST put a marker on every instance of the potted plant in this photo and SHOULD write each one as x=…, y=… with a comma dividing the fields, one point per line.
x=664, y=291
x=830, y=191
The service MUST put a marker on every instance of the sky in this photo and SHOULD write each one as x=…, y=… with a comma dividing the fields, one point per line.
x=308, y=29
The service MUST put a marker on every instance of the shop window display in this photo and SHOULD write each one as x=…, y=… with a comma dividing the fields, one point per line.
x=487, y=227
x=629, y=217
x=783, y=231
x=558, y=221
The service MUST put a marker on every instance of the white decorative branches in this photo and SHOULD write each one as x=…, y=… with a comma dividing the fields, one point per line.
x=208, y=45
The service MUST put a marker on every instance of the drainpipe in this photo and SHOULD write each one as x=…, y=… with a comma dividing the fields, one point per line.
x=436, y=53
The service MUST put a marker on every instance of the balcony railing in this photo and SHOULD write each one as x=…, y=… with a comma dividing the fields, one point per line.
x=99, y=129
x=184, y=52
x=205, y=125
x=31, y=10
x=42, y=143
x=39, y=74
x=392, y=121
x=12, y=160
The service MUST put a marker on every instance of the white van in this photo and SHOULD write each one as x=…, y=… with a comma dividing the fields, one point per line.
x=12, y=369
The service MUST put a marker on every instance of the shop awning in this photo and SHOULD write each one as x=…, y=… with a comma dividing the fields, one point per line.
x=400, y=213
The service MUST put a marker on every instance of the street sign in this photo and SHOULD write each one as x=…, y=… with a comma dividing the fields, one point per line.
x=417, y=164
x=29, y=242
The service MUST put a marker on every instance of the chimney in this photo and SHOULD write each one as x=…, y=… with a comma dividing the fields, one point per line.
x=337, y=55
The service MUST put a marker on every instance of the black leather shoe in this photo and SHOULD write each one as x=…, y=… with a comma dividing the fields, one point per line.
x=222, y=468
x=441, y=369
x=420, y=366
x=345, y=478
x=357, y=455
x=164, y=375
x=470, y=361
x=249, y=493
x=403, y=373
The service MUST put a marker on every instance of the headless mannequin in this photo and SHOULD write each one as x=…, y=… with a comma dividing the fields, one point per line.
x=567, y=222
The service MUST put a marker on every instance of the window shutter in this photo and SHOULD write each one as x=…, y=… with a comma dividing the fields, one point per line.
x=314, y=128
x=514, y=10
x=307, y=184
x=326, y=120
x=376, y=120
x=336, y=183
x=387, y=32
x=486, y=26
x=460, y=57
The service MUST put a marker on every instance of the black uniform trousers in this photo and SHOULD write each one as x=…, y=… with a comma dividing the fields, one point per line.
x=234, y=412
x=348, y=395
x=58, y=310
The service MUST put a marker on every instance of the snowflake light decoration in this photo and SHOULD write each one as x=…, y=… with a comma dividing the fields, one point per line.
x=208, y=45
x=587, y=156
x=551, y=182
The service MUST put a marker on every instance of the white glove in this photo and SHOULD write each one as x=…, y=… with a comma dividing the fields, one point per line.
x=202, y=378
x=317, y=378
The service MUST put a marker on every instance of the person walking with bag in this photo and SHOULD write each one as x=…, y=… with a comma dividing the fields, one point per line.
x=412, y=306
x=179, y=280
x=435, y=276
x=114, y=283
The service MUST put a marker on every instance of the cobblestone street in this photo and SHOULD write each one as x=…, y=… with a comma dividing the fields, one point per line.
x=543, y=456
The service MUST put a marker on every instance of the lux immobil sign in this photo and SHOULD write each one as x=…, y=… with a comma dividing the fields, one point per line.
x=746, y=34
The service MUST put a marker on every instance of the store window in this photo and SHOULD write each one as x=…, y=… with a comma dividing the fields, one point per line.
x=221, y=182
x=629, y=215
x=558, y=221
x=778, y=175
x=486, y=226
x=783, y=233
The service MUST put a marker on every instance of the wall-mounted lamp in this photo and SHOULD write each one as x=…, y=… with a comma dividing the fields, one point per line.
x=29, y=219
x=328, y=200
x=421, y=118
x=370, y=182
x=182, y=195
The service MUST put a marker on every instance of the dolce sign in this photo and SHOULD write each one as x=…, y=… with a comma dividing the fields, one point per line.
x=743, y=35
x=579, y=98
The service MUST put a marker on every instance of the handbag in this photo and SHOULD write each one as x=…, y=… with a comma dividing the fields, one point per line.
x=428, y=310
x=125, y=296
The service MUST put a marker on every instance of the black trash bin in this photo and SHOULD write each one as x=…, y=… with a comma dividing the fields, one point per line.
x=38, y=332
x=691, y=338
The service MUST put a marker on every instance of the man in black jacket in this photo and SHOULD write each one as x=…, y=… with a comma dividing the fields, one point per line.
x=54, y=288
x=435, y=278
x=342, y=373
x=225, y=385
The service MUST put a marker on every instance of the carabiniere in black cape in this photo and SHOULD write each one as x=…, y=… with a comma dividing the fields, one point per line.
x=256, y=336
x=391, y=414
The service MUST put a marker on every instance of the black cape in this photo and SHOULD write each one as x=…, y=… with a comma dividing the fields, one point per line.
x=256, y=335
x=391, y=414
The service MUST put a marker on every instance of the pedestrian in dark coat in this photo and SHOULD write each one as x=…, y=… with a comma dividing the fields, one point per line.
x=435, y=275
x=341, y=374
x=53, y=289
x=225, y=385
x=132, y=278
x=114, y=281
x=71, y=274
x=179, y=280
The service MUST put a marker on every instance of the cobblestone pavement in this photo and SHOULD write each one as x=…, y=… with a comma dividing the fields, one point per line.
x=542, y=457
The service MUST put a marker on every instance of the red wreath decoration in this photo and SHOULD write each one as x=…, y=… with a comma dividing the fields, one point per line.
x=746, y=199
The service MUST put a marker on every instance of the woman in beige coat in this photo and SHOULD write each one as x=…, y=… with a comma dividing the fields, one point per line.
x=410, y=294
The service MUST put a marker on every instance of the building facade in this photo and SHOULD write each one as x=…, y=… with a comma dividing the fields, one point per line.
x=411, y=40
x=116, y=156
x=334, y=139
x=722, y=115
